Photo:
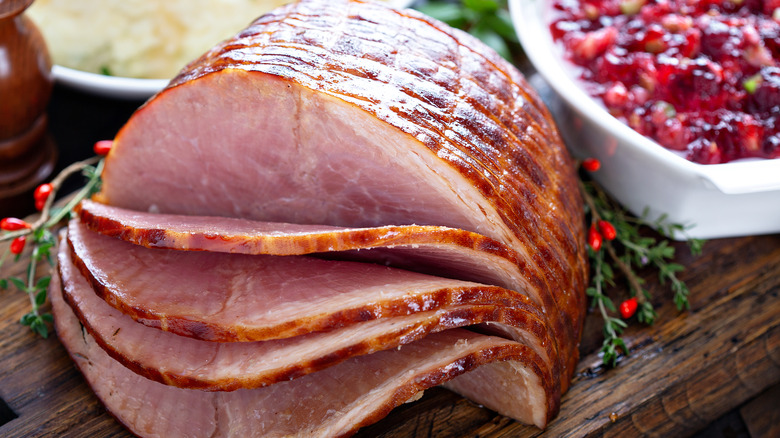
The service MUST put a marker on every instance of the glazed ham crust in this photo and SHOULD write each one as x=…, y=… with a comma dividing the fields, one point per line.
x=361, y=116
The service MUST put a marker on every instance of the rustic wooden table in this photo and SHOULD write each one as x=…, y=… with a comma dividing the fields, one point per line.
x=683, y=373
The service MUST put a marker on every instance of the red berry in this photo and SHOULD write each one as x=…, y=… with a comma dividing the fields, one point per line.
x=594, y=238
x=17, y=245
x=607, y=230
x=591, y=164
x=13, y=224
x=628, y=308
x=42, y=194
x=103, y=146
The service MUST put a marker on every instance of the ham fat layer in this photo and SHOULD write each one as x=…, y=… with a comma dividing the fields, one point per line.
x=333, y=402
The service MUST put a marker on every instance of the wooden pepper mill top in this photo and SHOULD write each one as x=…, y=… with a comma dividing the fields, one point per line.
x=27, y=154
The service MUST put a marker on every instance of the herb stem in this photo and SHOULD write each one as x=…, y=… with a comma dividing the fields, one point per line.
x=595, y=216
x=5, y=255
x=31, y=286
x=76, y=199
x=41, y=241
x=43, y=220
x=631, y=277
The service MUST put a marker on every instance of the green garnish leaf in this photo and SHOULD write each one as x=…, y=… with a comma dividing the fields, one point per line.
x=752, y=83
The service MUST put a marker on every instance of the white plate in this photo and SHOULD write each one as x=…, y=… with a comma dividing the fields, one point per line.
x=109, y=86
x=718, y=200
x=131, y=88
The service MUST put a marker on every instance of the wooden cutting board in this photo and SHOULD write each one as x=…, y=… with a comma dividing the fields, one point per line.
x=684, y=372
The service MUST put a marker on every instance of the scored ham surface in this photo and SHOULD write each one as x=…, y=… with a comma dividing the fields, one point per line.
x=333, y=402
x=355, y=115
x=347, y=130
x=191, y=363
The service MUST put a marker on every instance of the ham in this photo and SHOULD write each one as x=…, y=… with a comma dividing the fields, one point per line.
x=319, y=404
x=235, y=297
x=441, y=251
x=324, y=128
x=355, y=115
x=217, y=366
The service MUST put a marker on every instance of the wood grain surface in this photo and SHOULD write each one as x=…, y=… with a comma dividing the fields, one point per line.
x=684, y=372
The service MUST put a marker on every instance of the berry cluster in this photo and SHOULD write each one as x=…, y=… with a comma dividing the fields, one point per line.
x=699, y=77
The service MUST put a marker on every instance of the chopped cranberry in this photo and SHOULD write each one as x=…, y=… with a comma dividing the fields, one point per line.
x=586, y=46
x=704, y=151
x=766, y=97
x=701, y=76
x=771, y=146
x=616, y=96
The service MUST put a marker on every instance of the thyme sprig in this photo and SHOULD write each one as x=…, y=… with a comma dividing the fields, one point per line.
x=40, y=240
x=629, y=250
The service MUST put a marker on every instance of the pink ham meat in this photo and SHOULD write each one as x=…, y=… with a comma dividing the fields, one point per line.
x=192, y=363
x=352, y=114
x=333, y=402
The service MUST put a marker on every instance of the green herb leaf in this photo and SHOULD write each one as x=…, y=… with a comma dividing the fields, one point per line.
x=449, y=13
x=43, y=283
x=752, y=83
x=18, y=283
x=40, y=298
x=482, y=6
x=492, y=40
x=487, y=20
x=40, y=327
x=27, y=319
x=502, y=24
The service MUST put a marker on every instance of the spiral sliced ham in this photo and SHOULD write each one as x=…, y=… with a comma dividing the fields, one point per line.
x=192, y=363
x=331, y=123
x=352, y=114
x=333, y=402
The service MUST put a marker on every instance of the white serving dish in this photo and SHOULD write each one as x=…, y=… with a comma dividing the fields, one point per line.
x=108, y=86
x=130, y=88
x=721, y=200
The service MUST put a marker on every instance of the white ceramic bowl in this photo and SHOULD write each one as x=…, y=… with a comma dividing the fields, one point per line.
x=131, y=88
x=720, y=200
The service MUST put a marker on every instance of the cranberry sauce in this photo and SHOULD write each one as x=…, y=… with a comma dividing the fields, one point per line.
x=701, y=77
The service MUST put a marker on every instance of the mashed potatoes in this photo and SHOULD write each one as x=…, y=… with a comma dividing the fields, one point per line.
x=139, y=38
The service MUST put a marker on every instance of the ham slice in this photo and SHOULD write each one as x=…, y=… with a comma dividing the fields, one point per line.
x=441, y=251
x=336, y=401
x=236, y=297
x=191, y=363
x=355, y=115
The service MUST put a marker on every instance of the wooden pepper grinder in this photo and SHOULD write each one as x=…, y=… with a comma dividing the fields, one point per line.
x=27, y=153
